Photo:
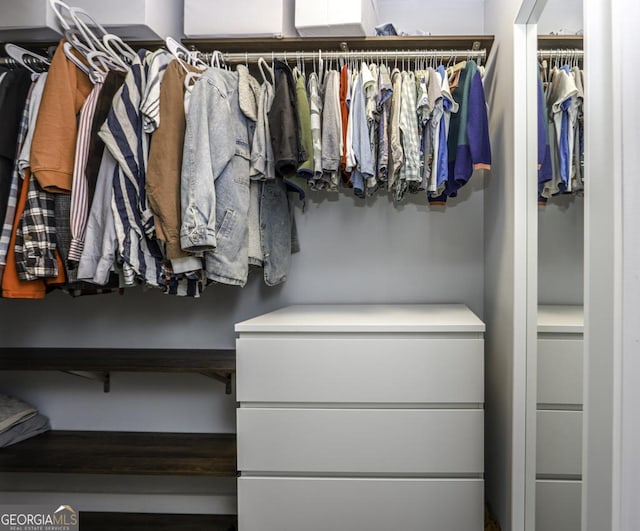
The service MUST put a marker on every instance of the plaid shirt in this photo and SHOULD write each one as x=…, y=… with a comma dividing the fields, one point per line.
x=410, y=172
x=7, y=225
x=36, y=235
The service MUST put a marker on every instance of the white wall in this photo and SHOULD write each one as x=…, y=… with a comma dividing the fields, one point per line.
x=561, y=251
x=561, y=16
x=502, y=346
x=438, y=17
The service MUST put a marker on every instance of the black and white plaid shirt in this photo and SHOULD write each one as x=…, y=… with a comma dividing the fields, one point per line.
x=36, y=235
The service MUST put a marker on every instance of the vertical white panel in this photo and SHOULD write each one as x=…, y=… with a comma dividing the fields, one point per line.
x=505, y=280
x=603, y=156
x=626, y=15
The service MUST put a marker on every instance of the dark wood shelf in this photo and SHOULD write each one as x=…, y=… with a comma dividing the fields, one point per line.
x=139, y=453
x=302, y=44
x=553, y=42
x=90, y=521
x=117, y=359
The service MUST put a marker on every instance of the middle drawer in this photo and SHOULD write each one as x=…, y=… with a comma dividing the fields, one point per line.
x=395, y=441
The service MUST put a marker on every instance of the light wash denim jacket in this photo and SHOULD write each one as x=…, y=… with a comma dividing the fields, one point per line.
x=215, y=178
x=215, y=192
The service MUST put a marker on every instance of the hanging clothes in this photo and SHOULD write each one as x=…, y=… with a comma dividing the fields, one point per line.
x=194, y=184
x=561, y=132
x=125, y=138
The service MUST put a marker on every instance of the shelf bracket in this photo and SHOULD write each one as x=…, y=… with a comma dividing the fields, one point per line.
x=222, y=376
x=104, y=377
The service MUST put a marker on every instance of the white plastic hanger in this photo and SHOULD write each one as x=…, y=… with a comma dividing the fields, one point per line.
x=264, y=69
x=91, y=39
x=68, y=47
x=185, y=56
x=18, y=54
x=55, y=6
x=122, y=49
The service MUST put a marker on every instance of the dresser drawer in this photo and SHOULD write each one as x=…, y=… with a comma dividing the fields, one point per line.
x=558, y=505
x=360, y=441
x=360, y=370
x=560, y=371
x=320, y=504
x=559, y=444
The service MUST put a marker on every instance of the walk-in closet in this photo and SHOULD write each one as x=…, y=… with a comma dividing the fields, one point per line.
x=347, y=272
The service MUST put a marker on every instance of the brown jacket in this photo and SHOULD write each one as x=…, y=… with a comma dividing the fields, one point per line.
x=54, y=138
x=164, y=170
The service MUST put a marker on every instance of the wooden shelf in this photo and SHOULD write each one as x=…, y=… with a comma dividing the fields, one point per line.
x=219, y=363
x=90, y=521
x=117, y=359
x=139, y=453
x=553, y=42
x=300, y=44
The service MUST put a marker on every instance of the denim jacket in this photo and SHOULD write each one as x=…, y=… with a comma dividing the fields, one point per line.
x=270, y=217
x=215, y=178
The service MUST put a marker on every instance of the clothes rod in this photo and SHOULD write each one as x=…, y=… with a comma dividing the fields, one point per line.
x=561, y=53
x=29, y=61
x=253, y=57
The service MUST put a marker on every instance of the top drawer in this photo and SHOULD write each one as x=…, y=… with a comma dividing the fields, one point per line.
x=360, y=369
x=560, y=371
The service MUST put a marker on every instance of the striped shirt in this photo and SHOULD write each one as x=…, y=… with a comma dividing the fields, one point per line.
x=150, y=103
x=315, y=105
x=124, y=137
x=79, y=187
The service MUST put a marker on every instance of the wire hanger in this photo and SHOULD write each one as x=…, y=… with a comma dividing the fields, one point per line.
x=18, y=54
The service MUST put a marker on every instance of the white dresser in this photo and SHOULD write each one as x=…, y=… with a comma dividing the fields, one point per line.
x=559, y=418
x=361, y=417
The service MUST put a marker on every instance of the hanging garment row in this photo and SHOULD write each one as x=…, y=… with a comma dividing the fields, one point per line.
x=560, y=125
x=146, y=168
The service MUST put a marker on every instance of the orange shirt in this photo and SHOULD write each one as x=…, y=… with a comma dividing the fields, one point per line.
x=54, y=138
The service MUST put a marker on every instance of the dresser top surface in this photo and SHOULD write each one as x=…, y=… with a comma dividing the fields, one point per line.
x=366, y=318
x=561, y=319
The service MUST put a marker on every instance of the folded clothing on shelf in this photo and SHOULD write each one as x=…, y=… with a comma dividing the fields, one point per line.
x=19, y=421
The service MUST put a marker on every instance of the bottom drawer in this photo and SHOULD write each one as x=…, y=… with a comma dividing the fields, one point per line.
x=558, y=505
x=359, y=504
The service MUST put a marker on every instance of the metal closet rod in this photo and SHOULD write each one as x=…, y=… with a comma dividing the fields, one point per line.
x=253, y=57
x=561, y=52
x=31, y=61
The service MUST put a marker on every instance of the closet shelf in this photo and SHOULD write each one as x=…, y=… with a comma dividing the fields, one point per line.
x=552, y=42
x=215, y=363
x=90, y=521
x=300, y=44
x=137, y=453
